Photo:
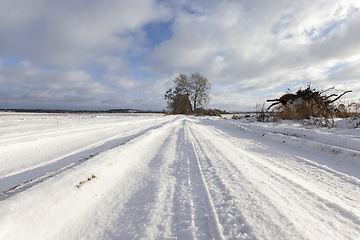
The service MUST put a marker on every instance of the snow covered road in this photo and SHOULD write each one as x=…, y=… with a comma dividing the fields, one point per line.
x=178, y=177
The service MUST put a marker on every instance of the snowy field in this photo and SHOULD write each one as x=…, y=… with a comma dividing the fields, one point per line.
x=150, y=176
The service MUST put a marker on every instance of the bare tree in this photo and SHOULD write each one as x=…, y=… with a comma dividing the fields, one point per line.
x=183, y=88
x=182, y=83
x=200, y=88
x=188, y=93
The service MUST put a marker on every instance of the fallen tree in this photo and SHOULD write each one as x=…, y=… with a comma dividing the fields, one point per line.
x=307, y=102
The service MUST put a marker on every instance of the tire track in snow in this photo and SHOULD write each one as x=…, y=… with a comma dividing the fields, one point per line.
x=291, y=191
x=41, y=173
x=138, y=206
x=316, y=180
x=293, y=140
x=262, y=218
x=44, y=149
x=183, y=180
x=159, y=176
x=67, y=130
x=196, y=149
x=168, y=199
x=193, y=213
x=343, y=166
x=231, y=221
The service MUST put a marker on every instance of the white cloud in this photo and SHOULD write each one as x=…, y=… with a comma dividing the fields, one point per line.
x=255, y=42
x=68, y=34
x=350, y=72
x=28, y=85
x=90, y=52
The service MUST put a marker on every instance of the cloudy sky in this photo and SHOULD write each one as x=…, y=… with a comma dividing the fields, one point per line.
x=103, y=54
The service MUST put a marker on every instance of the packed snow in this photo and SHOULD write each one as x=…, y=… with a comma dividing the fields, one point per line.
x=150, y=176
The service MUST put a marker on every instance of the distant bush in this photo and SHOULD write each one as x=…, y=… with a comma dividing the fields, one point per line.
x=348, y=110
x=207, y=112
x=262, y=114
x=236, y=117
x=213, y=112
x=355, y=107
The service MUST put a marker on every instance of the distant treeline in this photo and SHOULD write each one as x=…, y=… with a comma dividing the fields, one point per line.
x=78, y=111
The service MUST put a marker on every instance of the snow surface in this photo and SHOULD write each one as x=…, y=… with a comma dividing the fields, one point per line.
x=152, y=176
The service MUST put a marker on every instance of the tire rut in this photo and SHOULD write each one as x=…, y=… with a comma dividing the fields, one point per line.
x=40, y=174
x=194, y=216
x=232, y=223
x=290, y=191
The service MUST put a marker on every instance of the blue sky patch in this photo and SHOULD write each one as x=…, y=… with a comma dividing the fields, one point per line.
x=337, y=67
x=10, y=61
x=158, y=32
